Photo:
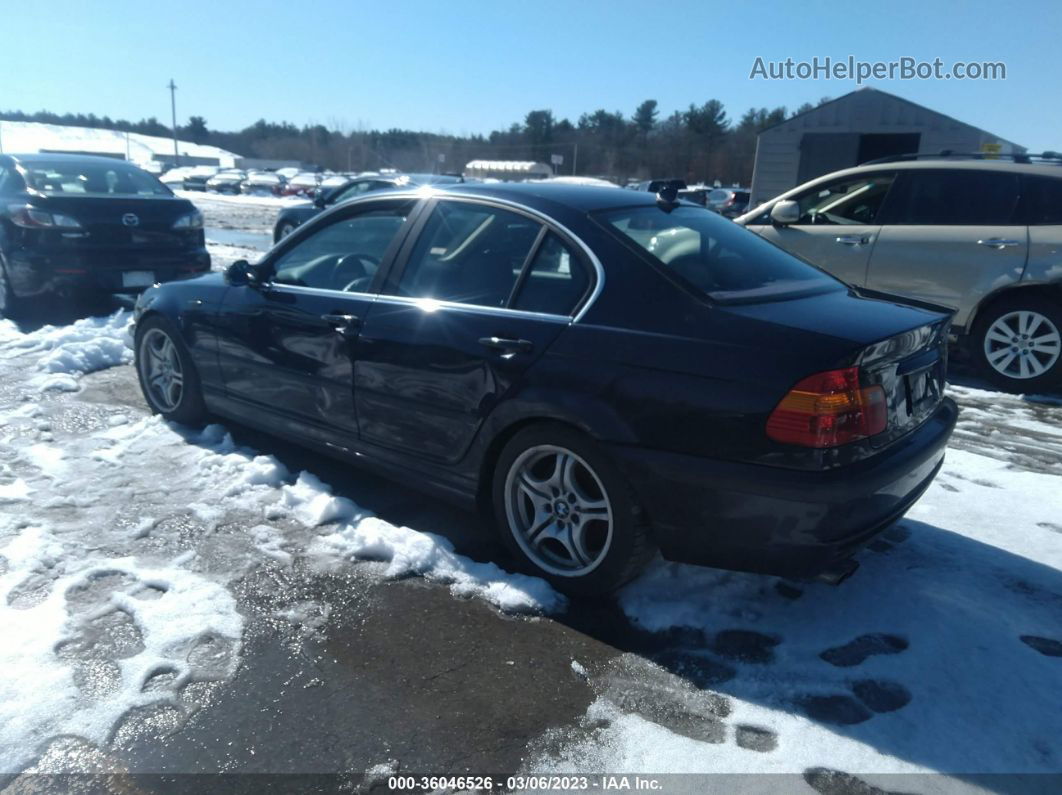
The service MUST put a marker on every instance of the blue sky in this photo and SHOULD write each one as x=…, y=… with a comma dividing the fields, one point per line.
x=465, y=67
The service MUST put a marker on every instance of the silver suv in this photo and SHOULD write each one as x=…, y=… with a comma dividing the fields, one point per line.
x=981, y=237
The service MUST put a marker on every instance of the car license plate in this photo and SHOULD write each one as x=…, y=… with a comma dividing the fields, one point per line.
x=138, y=279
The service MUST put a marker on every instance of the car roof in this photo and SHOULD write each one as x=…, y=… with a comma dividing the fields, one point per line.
x=972, y=164
x=583, y=198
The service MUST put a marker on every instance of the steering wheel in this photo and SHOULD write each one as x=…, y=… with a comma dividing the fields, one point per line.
x=351, y=269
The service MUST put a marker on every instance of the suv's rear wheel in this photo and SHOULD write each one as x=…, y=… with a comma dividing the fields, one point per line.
x=1018, y=343
x=563, y=507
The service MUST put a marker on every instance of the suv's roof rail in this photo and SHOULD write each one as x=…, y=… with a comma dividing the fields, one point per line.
x=1021, y=157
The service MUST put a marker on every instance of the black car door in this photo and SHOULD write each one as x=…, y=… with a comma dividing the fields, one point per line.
x=287, y=345
x=476, y=297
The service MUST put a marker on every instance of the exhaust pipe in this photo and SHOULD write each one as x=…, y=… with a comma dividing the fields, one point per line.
x=837, y=572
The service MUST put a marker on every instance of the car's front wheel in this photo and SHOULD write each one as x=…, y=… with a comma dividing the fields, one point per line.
x=1018, y=343
x=564, y=508
x=167, y=375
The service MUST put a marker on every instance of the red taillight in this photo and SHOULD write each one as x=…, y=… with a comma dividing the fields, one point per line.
x=829, y=409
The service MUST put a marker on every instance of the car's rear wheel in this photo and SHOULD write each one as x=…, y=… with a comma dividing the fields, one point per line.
x=566, y=511
x=1018, y=343
x=168, y=377
x=9, y=304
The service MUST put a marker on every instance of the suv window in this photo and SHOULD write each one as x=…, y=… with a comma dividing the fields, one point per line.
x=955, y=198
x=10, y=180
x=853, y=200
x=556, y=280
x=1043, y=200
x=344, y=255
x=715, y=256
x=469, y=253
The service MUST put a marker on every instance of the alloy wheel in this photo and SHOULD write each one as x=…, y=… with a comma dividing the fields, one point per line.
x=1022, y=344
x=160, y=366
x=558, y=511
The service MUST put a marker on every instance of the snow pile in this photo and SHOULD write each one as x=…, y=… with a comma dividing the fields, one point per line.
x=233, y=478
x=67, y=352
x=359, y=536
x=932, y=640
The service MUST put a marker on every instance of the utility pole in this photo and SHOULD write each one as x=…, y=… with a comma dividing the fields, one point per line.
x=173, y=109
x=575, y=159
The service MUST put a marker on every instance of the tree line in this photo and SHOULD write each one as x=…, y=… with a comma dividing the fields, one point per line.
x=698, y=144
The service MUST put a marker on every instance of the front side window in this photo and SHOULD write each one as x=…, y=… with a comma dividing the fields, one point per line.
x=961, y=197
x=716, y=257
x=470, y=254
x=848, y=201
x=96, y=179
x=345, y=255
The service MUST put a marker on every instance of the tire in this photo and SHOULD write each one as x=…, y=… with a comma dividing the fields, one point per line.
x=586, y=546
x=9, y=302
x=1017, y=343
x=160, y=354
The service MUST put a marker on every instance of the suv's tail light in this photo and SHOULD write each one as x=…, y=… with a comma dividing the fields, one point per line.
x=29, y=217
x=829, y=409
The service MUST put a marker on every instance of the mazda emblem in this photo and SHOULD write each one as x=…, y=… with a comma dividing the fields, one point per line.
x=130, y=219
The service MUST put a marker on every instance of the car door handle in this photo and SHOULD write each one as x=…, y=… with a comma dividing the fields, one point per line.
x=853, y=240
x=347, y=325
x=999, y=243
x=507, y=345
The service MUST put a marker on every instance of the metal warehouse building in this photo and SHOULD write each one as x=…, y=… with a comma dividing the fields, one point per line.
x=864, y=125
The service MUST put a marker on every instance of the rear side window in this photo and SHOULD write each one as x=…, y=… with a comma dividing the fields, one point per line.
x=1043, y=200
x=555, y=281
x=470, y=254
x=10, y=181
x=716, y=257
x=955, y=198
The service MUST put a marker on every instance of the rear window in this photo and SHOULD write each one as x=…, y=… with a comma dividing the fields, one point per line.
x=95, y=179
x=715, y=256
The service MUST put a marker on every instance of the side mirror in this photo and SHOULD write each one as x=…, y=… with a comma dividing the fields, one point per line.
x=241, y=273
x=320, y=197
x=785, y=212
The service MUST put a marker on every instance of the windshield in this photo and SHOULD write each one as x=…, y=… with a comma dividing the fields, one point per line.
x=716, y=257
x=94, y=179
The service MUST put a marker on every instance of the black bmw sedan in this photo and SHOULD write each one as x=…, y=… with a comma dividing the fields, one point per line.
x=604, y=373
x=80, y=226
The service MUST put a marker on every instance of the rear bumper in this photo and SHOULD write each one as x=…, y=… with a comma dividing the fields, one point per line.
x=36, y=273
x=770, y=520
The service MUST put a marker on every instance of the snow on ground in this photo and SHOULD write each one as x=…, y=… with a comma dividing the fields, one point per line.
x=941, y=654
x=110, y=616
x=240, y=199
x=26, y=136
x=222, y=254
